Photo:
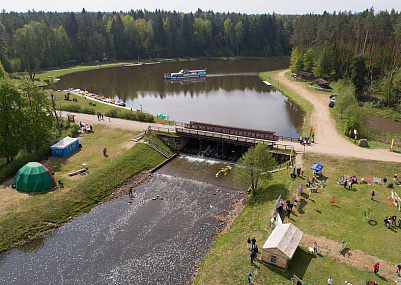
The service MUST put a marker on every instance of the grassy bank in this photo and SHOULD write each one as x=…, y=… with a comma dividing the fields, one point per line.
x=228, y=261
x=303, y=104
x=24, y=216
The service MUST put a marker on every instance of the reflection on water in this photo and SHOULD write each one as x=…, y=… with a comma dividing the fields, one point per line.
x=143, y=242
x=232, y=94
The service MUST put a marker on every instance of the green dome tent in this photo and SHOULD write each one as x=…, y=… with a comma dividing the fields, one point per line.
x=34, y=176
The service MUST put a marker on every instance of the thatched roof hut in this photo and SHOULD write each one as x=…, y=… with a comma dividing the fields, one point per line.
x=281, y=245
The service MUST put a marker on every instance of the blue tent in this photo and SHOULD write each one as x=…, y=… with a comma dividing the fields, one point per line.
x=317, y=167
x=64, y=147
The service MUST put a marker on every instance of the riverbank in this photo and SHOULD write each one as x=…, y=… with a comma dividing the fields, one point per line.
x=305, y=105
x=25, y=216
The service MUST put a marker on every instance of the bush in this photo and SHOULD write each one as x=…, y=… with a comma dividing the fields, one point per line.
x=128, y=115
x=144, y=117
x=10, y=169
x=71, y=108
x=88, y=111
x=73, y=130
x=112, y=113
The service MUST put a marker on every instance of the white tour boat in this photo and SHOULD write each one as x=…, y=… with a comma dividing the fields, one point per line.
x=185, y=73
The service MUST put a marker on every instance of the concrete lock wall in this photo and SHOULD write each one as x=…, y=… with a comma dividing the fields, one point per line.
x=177, y=143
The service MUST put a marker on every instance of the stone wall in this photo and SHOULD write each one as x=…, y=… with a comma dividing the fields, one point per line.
x=177, y=143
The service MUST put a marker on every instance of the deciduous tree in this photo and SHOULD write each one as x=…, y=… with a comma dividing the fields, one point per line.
x=254, y=165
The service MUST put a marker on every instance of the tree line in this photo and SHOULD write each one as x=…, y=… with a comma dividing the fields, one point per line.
x=34, y=40
x=363, y=48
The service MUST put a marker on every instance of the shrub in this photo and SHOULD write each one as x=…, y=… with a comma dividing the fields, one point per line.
x=88, y=111
x=73, y=130
x=112, y=113
x=128, y=115
x=72, y=108
x=10, y=169
x=144, y=117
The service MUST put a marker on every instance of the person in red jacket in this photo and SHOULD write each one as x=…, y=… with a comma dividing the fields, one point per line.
x=376, y=268
x=104, y=151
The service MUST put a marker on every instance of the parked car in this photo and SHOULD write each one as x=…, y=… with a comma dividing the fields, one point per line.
x=331, y=104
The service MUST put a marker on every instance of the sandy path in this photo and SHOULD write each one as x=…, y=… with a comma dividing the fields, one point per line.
x=327, y=139
x=114, y=122
x=351, y=257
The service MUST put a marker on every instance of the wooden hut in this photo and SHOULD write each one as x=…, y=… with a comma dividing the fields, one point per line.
x=304, y=75
x=323, y=83
x=280, y=246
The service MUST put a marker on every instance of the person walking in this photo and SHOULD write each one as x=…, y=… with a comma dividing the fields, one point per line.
x=329, y=281
x=248, y=243
x=253, y=242
x=315, y=247
x=399, y=269
x=249, y=278
x=345, y=183
x=376, y=268
x=130, y=192
x=288, y=212
x=104, y=151
x=253, y=256
x=372, y=195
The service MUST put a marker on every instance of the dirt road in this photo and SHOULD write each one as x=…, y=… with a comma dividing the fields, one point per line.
x=327, y=139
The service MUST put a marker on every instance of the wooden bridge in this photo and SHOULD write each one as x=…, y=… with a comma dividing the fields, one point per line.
x=224, y=138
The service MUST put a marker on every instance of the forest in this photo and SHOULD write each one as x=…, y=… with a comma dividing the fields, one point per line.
x=362, y=47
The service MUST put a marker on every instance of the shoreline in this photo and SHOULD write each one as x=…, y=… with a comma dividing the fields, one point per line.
x=121, y=190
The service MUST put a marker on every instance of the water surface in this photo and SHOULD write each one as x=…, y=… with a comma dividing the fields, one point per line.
x=232, y=94
x=143, y=242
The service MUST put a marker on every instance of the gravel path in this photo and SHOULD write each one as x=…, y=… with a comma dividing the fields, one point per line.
x=327, y=140
x=114, y=122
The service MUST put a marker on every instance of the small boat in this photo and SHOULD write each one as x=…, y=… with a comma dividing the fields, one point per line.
x=185, y=73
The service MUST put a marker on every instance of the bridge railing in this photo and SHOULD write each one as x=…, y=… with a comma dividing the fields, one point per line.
x=283, y=138
x=234, y=138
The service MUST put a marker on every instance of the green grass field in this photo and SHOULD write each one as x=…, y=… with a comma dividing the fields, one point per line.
x=25, y=215
x=228, y=261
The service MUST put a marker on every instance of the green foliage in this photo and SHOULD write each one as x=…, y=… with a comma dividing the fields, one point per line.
x=88, y=111
x=346, y=98
x=11, y=119
x=73, y=130
x=10, y=169
x=359, y=74
x=253, y=166
x=72, y=108
x=39, y=125
x=112, y=113
x=3, y=73
x=296, y=60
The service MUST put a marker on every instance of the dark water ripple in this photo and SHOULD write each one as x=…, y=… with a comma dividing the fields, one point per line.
x=143, y=242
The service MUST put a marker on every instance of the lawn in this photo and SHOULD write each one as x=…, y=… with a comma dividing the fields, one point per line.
x=228, y=261
x=26, y=215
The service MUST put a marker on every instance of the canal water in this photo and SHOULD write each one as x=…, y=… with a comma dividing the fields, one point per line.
x=232, y=93
x=145, y=241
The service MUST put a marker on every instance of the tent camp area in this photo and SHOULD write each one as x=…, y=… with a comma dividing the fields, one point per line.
x=281, y=245
x=65, y=146
x=34, y=176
